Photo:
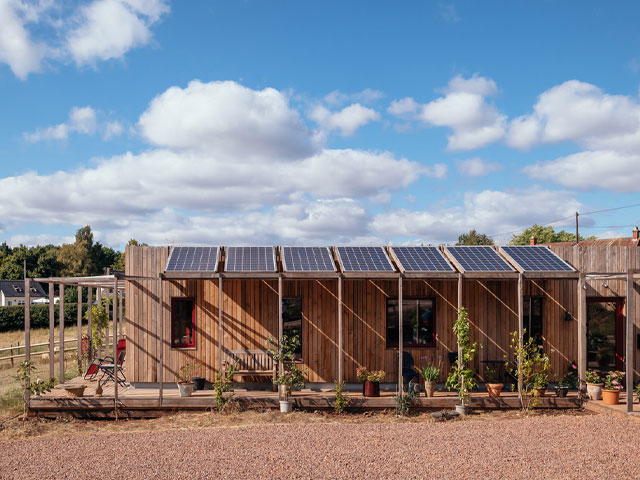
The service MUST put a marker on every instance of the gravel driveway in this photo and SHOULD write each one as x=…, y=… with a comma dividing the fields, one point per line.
x=594, y=446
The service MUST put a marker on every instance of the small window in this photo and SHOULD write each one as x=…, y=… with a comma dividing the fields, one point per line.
x=418, y=322
x=183, y=323
x=17, y=288
x=532, y=310
x=292, y=320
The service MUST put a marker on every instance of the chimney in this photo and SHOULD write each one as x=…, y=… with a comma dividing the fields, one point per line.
x=532, y=239
x=635, y=235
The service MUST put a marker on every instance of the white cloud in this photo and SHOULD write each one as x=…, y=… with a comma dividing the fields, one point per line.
x=477, y=167
x=337, y=98
x=56, y=132
x=403, y=107
x=82, y=120
x=475, y=123
x=489, y=212
x=17, y=48
x=448, y=12
x=347, y=120
x=112, y=129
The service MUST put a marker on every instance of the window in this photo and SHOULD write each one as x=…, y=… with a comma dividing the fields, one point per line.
x=292, y=320
x=418, y=322
x=17, y=288
x=183, y=323
x=533, y=319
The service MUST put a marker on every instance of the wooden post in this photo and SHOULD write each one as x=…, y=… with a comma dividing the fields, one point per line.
x=120, y=314
x=61, y=323
x=161, y=356
x=520, y=332
x=52, y=327
x=79, y=336
x=460, y=280
x=280, y=321
x=220, y=330
x=109, y=310
x=115, y=347
x=400, y=337
x=629, y=356
x=582, y=331
x=90, y=321
x=27, y=340
x=99, y=302
x=340, y=340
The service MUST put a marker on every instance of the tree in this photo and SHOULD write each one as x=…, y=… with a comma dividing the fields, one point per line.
x=545, y=235
x=474, y=238
x=119, y=264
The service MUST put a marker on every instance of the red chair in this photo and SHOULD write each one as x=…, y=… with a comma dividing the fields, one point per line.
x=95, y=367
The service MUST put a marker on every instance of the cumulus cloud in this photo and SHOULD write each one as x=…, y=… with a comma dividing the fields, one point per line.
x=34, y=31
x=366, y=96
x=347, y=120
x=402, y=107
x=489, y=211
x=82, y=120
x=477, y=167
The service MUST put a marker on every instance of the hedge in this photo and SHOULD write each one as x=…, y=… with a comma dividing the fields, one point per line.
x=12, y=318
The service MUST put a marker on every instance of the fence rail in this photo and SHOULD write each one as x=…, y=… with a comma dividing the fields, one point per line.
x=14, y=348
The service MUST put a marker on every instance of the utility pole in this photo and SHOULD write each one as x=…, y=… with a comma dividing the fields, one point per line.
x=577, y=236
x=24, y=270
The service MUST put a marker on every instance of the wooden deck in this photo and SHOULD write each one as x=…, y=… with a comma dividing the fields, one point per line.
x=144, y=402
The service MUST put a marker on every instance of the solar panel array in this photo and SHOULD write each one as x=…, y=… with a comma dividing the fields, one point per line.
x=307, y=259
x=537, y=259
x=364, y=259
x=250, y=259
x=479, y=259
x=422, y=259
x=193, y=259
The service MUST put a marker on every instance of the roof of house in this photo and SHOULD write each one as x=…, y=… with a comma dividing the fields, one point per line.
x=602, y=242
x=15, y=288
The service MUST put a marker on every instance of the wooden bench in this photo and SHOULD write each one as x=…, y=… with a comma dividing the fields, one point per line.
x=250, y=363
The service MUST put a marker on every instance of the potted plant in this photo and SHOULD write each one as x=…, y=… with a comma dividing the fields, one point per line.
x=184, y=376
x=290, y=374
x=612, y=387
x=493, y=386
x=594, y=385
x=462, y=378
x=540, y=384
x=371, y=379
x=429, y=374
x=530, y=368
x=563, y=386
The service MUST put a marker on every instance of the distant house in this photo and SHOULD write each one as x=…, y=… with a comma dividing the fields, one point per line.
x=12, y=293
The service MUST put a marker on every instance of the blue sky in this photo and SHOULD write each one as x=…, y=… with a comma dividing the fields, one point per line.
x=316, y=123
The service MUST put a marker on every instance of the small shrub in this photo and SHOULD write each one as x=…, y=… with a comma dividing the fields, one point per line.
x=341, y=401
x=222, y=384
x=593, y=377
x=404, y=402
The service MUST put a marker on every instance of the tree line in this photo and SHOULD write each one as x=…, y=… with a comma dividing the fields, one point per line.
x=542, y=234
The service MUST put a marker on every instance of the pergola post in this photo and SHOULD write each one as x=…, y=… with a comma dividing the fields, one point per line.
x=99, y=302
x=115, y=349
x=161, y=336
x=109, y=310
x=52, y=327
x=220, y=331
x=120, y=315
x=27, y=340
x=520, y=332
x=79, y=335
x=459, y=307
x=61, y=322
x=629, y=351
x=280, y=322
x=340, y=340
x=400, y=337
x=90, y=322
x=582, y=330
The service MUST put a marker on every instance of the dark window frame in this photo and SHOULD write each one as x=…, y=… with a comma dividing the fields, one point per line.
x=284, y=326
x=527, y=315
x=431, y=344
x=194, y=330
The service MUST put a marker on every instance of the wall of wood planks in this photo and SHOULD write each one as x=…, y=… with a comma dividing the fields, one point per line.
x=251, y=306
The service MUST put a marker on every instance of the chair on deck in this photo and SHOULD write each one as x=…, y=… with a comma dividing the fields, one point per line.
x=109, y=370
x=95, y=367
x=408, y=369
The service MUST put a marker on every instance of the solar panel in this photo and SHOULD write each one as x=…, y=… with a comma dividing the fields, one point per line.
x=364, y=259
x=250, y=259
x=537, y=259
x=422, y=259
x=307, y=259
x=479, y=259
x=193, y=259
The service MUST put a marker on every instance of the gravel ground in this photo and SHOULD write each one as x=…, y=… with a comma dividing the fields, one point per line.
x=594, y=446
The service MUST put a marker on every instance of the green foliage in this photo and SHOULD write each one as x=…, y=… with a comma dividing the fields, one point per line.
x=535, y=369
x=637, y=392
x=429, y=373
x=404, y=401
x=284, y=352
x=187, y=370
x=12, y=401
x=365, y=375
x=341, y=401
x=222, y=385
x=100, y=324
x=545, y=235
x=593, y=377
x=490, y=374
x=462, y=378
x=474, y=238
x=613, y=380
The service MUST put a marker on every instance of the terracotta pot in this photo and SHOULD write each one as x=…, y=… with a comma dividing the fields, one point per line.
x=429, y=388
x=371, y=389
x=610, y=397
x=494, y=389
x=594, y=390
x=539, y=392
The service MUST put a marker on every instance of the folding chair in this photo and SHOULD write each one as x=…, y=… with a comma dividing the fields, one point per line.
x=109, y=370
x=94, y=368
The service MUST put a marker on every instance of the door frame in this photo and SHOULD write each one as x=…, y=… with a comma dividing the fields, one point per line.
x=620, y=317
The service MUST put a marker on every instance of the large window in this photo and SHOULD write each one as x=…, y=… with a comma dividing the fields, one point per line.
x=183, y=323
x=292, y=320
x=533, y=319
x=418, y=322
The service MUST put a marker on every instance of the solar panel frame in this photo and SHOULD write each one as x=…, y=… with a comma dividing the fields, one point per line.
x=523, y=256
x=270, y=260
x=349, y=258
x=479, y=259
x=318, y=254
x=193, y=259
x=410, y=258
